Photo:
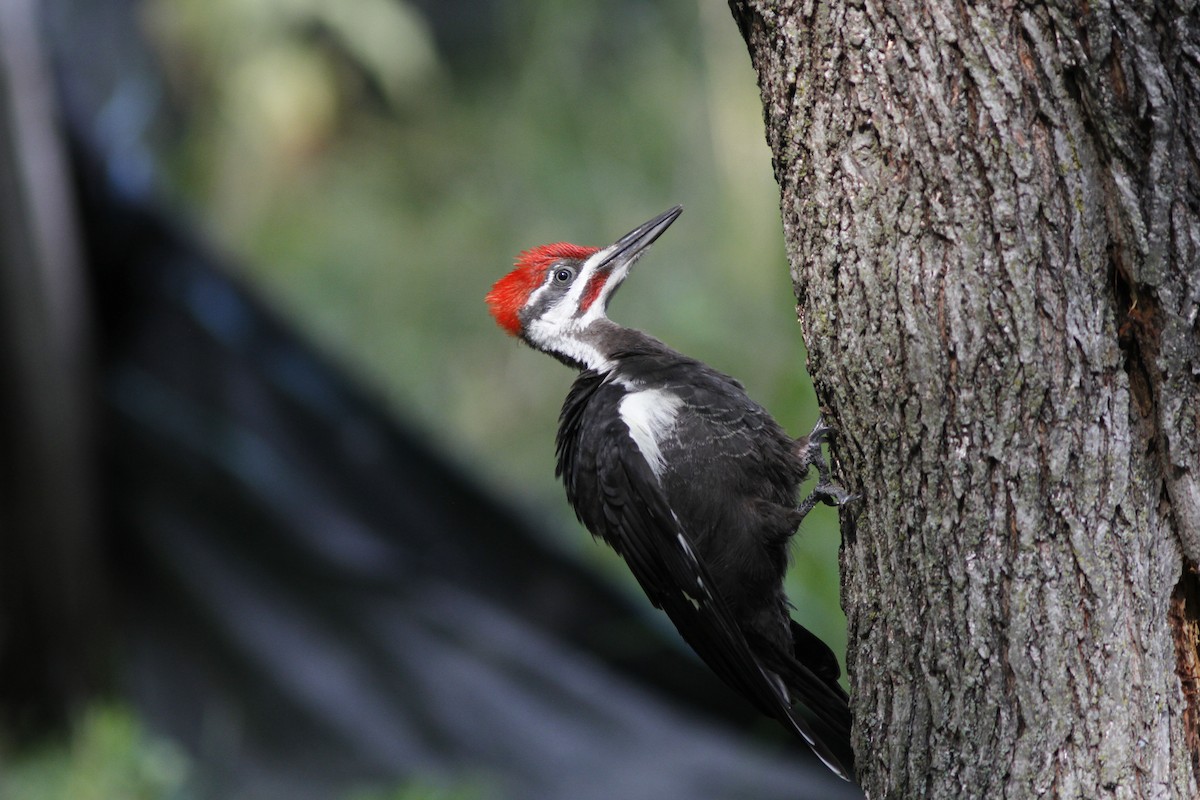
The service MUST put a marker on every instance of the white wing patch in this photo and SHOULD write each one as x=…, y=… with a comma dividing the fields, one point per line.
x=650, y=414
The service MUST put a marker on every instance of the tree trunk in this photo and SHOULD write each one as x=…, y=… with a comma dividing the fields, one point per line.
x=992, y=214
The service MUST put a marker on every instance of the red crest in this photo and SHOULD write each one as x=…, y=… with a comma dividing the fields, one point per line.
x=510, y=294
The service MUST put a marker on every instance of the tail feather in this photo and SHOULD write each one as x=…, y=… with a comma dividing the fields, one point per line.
x=817, y=657
x=811, y=672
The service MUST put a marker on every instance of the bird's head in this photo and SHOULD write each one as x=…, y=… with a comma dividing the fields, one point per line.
x=557, y=292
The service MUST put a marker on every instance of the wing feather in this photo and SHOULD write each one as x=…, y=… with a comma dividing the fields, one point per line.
x=618, y=498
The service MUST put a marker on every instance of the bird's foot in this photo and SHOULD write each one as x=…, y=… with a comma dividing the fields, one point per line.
x=809, y=447
x=826, y=491
x=831, y=494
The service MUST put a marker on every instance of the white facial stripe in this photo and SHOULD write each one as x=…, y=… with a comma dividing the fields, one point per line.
x=563, y=312
x=559, y=327
x=595, y=260
x=598, y=308
x=536, y=295
x=650, y=414
x=587, y=269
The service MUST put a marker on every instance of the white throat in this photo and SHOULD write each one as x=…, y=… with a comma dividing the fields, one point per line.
x=568, y=339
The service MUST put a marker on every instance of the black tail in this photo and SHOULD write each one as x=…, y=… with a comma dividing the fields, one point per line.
x=817, y=657
x=811, y=674
x=812, y=681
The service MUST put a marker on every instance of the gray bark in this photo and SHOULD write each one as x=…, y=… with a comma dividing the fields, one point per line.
x=992, y=214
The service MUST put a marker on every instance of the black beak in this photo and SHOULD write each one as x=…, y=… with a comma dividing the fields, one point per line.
x=627, y=249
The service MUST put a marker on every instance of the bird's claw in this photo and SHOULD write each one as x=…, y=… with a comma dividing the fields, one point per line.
x=809, y=450
x=812, y=449
x=826, y=491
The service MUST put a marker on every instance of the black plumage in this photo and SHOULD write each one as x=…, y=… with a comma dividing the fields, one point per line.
x=707, y=541
x=693, y=483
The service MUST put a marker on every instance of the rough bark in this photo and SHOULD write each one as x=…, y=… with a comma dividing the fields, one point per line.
x=992, y=214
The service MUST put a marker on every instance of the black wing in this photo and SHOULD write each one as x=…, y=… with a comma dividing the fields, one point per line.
x=618, y=498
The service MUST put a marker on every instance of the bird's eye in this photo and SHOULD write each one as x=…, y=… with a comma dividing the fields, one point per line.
x=564, y=275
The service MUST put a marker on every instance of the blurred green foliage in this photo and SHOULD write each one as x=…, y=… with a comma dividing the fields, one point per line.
x=375, y=187
x=375, y=194
x=109, y=757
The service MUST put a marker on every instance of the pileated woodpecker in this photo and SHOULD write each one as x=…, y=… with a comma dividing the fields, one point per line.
x=691, y=481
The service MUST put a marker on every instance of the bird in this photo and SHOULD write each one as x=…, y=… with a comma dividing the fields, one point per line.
x=690, y=481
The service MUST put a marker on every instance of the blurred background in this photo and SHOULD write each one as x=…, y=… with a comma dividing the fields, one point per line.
x=376, y=165
x=364, y=170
